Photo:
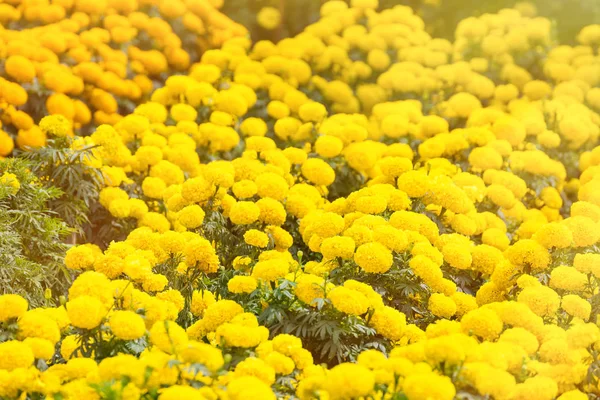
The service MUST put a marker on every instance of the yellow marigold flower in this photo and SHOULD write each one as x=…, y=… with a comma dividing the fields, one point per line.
x=153, y=187
x=15, y=354
x=378, y=59
x=410, y=221
x=219, y=313
x=251, y=335
x=55, y=125
x=332, y=7
x=221, y=118
x=241, y=263
x=501, y=196
x=482, y=322
x=155, y=221
x=86, y=312
x=6, y=144
x=463, y=104
x=121, y=366
x=282, y=364
x=576, y=306
x=256, y=367
x=540, y=387
x=68, y=346
x=256, y=238
x=197, y=352
x=199, y=253
x=41, y=348
x=167, y=336
x=283, y=239
x=554, y=234
x=338, y=246
x=551, y=197
x=11, y=181
x=109, y=194
x=568, y=278
x=183, y=112
x=484, y=158
x=120, y=208
x=388, y=322
x=126, y=325
x=312, y=112
x=260, y=144
x=449, y=349
x=371, y=204
x=244, y=213
x=33, y=137
x=12, y=306
x=587, y=262
x=522, y=338
x=348, y=301
x=231, y=101
x=537, y=89
x=278, y=110
x=318, y=172
x=200, y=302
x=191, y=216
x=525, y=281
x=148, y=155
x=426, y=269
x=392, y=238
x=326, y=224
x=310, y=287
x=286, y=344
x=249, y=387
x=270, y=270
x=171, y=174
x=527, y=252
x=298, y=205
x=253, y=127
x=197, y=190
x=347, y=380
x=394, y=166
x=441, y=305
x=20, y=68
x=583, y=229
x=271, y=185
x=244, y=189
x=328, y=146
x=174, y=297
x=464, y=303
x=457, y=256
x=549, y=139
x=180, y=392
x=93, y=284
x=495, y=237
x=242, y=284
x=373, y=257
x=269, y=18
x=35, y=323
x=540, y=299
x=573, y=395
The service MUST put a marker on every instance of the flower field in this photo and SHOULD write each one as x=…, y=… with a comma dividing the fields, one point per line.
x=361, y=210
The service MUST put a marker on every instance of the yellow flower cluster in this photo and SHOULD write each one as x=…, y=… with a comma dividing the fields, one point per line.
x=90, y=60
x=360, y=211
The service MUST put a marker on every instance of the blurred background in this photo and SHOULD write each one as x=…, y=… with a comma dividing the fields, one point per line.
x=440, y=16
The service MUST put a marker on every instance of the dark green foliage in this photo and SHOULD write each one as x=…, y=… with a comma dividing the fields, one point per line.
x=31, y=236
x=68, y=169
x=331, y=336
